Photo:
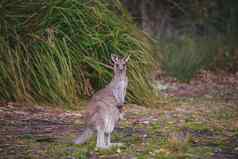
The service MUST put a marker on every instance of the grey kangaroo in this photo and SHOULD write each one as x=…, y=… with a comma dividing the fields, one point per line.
x=104, y=108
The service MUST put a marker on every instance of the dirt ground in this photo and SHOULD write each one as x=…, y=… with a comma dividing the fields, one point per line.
x=180, y=126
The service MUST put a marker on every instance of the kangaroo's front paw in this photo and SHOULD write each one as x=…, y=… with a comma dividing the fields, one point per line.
x=121, y=116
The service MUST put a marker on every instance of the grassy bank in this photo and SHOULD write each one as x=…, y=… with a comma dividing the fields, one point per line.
x=57, y=51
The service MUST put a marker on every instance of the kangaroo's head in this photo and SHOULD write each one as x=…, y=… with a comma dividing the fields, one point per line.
x=119, y=64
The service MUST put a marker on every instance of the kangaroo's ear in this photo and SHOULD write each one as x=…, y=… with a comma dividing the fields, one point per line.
x=114, y=58
x=127, y=58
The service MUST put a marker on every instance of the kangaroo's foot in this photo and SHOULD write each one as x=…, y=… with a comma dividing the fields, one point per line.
x=103, y=146
x=116, y=144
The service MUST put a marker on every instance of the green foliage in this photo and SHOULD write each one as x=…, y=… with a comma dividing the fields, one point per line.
x=185, y=57
x=196, y=126
x=55, y=51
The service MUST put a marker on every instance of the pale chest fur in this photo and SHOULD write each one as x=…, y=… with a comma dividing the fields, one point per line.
x=119, y=90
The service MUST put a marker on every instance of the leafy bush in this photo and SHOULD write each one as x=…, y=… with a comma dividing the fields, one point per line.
x=55, y=51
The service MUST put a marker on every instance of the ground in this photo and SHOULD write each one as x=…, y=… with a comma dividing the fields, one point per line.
x=192, y=127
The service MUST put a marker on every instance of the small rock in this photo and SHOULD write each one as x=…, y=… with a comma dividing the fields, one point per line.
x=236, y=149
x=118, y=150
x=146, y=122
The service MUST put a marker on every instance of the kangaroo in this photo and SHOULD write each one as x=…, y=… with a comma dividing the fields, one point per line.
x=104, y=108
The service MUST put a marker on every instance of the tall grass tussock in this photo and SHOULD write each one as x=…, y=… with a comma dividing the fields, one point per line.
x=183, y=57
x=59, y=50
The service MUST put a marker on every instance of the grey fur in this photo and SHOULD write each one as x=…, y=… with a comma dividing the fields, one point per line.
x=102, y=113
x=84, y=137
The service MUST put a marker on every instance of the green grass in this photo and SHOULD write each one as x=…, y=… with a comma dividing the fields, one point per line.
x=183, y=58
x=59, y=50
x=197, y=126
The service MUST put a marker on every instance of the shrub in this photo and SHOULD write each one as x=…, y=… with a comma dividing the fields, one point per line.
x=58, y=50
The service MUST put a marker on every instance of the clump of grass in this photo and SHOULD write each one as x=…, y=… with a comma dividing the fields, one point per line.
x=56, y=51
x=196, y=126
x=183, y=58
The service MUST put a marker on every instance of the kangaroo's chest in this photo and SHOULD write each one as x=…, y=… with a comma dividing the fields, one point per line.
x=119, y=90
x=121, y=86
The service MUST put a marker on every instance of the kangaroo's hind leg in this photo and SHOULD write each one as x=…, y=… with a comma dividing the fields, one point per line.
x=109, y=128
x=108, y=138
x=101, y=143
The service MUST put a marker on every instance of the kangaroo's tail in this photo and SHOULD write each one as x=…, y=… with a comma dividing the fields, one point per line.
x=87, y=134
